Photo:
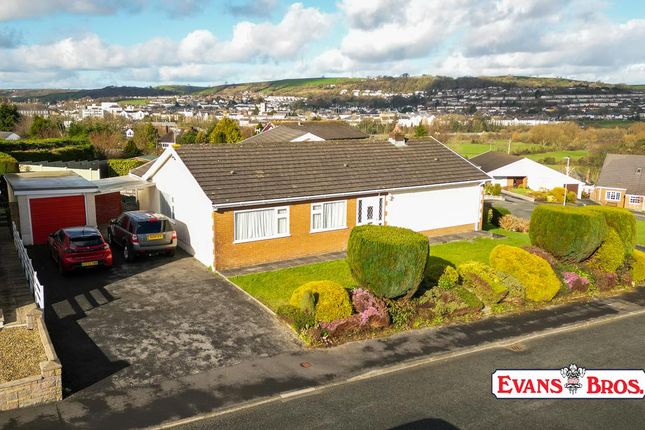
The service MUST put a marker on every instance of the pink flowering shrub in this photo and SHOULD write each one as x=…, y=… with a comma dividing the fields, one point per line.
x=575, y=282
x=371, y=312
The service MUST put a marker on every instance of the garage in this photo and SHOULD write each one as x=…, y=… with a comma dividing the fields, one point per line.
x=51, y=213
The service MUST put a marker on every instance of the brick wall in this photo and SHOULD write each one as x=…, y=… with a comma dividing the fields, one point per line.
x=300, y=243
x=43, y=388
x=599, y=195
x=108, y=206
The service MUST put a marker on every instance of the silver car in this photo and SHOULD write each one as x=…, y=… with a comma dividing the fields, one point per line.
x=142, y=233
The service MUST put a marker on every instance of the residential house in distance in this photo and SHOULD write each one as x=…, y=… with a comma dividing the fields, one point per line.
x=621, y=182
x=8, y=135
x=307, y=132
x=511, y=171
x=129, y=133
x=167, y=140
x=253, y=203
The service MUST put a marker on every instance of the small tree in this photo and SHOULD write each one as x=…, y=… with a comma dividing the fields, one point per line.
x=9, y=116
x=420, y=131
x=225, y=131
x=43, y=128
x=145, y=137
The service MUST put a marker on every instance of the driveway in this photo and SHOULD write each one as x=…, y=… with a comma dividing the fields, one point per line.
x=154, y=319
x=524, y=209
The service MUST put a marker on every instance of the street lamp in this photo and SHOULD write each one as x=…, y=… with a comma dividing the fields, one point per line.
x=564, y=200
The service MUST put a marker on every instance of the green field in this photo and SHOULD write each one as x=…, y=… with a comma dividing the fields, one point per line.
x=469, y=150
x=559, y=155
x=610, y=123
x=133, y=102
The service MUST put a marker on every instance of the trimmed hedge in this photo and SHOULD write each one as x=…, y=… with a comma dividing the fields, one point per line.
x=121, y=167
x=535, y=274
x=8, y=164
x=620, y=220
x=388, y=261
x=567, y=233
x=638, y=266
x=611, y=254
x=30, y=144
x=331, y=300
x=495, y=214
x=65, y=153
x=482, y=280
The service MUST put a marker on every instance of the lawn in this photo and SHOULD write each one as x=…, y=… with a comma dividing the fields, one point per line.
x=469, y=149
x=640, y=239
x=559, y=155
x=133, y=102
x=274, y=288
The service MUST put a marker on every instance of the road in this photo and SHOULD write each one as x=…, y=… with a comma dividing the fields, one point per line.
x=455, y=393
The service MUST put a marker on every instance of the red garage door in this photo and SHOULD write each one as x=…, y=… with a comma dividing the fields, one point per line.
x=50, y=214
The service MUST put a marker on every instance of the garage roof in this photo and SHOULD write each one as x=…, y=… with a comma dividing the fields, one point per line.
x=120, y=183
x=35, y=182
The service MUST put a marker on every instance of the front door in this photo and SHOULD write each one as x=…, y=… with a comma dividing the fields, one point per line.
x=370, y=210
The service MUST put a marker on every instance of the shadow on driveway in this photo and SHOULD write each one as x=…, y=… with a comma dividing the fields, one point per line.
x=153, y=319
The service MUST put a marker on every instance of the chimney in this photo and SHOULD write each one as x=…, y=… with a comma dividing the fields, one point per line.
x=397, y=138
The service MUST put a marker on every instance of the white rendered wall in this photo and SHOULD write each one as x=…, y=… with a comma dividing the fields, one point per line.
x=434, y=208
x=538, y=175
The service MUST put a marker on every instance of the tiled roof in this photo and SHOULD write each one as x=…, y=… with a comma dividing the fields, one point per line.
x=489, y=161
x=141, y=170
x=624, y=171
x=325, y=130
x=251, y=172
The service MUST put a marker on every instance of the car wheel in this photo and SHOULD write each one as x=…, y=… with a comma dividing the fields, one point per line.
x=128, y=254
x=170, y=253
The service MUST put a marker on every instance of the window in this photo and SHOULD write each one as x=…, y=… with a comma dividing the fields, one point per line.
x=613, y=196
x=635, y=200
x=261, y=224
x=328, y=216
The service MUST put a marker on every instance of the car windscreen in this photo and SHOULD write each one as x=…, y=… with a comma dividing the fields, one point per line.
x=157, y=226
x=90, y=240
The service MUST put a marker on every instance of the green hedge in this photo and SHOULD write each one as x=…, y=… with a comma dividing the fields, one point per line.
x=535, y=274
x=65, y=153
x=609, y=257
x=620, y=220
x=638, y=266
x=388, y=261
x=331, y=300
x=568, y=233
x=121, y=167
x=8, y=164
x=29, y=144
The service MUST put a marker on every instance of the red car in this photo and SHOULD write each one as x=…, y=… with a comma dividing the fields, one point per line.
x=79, y=247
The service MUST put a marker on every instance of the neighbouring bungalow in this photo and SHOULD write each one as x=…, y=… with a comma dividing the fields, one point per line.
x=621, y=182
x=511, y=171
x=307, y=132
x=253, y=203
x=8, y=135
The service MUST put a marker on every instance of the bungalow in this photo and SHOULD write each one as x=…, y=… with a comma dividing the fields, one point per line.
x=306, y=132
x=253, y=203
x=8, y=135
x=511, y=171
x=621, y=182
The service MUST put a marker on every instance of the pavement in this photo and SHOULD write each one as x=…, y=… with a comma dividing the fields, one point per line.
x=286, y=374
x=151, y=320
x=456, y=393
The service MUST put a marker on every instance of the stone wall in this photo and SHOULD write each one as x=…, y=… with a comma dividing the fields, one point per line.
x=43, y=388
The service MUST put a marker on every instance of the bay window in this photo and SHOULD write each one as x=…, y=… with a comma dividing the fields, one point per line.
x=328, y=216
x=258, y=224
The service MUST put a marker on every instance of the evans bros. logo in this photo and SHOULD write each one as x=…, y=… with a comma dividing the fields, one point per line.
x=571, y=382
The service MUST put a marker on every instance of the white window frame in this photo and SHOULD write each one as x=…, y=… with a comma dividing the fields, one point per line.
x=275, y=226
x=635, y=200
x=312, y=212
x=617, y=195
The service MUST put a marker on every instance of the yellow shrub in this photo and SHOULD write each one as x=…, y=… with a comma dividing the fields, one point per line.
x=535, y=274
x=331, y=300
x=638, y=266
x=610, y=255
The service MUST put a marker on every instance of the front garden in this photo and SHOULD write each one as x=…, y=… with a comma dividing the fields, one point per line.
x=393, y=280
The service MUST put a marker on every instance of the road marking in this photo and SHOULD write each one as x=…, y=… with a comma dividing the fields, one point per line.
x=402, y=366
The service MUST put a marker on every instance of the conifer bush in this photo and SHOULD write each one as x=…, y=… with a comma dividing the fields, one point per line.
x=638, y=266
x=331, y=300
x=622, y=221
x=388, y=261
x=535, y=274
x=570, y=234
x=481, y=279
x=611, y=254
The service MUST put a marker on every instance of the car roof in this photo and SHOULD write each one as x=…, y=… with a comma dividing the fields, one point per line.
x=146, y=216
x=81, y=231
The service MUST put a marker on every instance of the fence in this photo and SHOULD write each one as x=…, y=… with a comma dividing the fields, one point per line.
x=36, y=288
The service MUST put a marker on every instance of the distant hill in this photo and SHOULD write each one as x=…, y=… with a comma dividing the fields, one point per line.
x=312, y=87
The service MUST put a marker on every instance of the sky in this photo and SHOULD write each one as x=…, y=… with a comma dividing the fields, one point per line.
x=94, y=43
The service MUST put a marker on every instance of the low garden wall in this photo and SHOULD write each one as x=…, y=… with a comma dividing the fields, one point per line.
x=41, y=388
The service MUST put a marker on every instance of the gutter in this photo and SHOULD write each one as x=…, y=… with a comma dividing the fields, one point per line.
x=325, y=196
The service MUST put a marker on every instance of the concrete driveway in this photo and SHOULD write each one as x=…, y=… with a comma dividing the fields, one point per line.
x=154, y=319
